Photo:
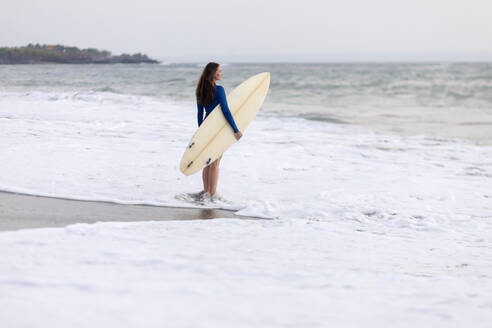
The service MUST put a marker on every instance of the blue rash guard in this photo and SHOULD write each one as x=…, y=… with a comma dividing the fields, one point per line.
x=219, y=98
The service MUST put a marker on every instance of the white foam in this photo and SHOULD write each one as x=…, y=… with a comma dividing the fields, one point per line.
x=241, y=273
x=105, y=146
x=370, y=229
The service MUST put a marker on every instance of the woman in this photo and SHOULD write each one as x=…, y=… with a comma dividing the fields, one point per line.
x=208, y=96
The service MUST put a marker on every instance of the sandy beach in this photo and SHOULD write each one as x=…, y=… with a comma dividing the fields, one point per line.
x=20, y=211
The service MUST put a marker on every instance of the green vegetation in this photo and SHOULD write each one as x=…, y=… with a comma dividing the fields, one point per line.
x=36, y=54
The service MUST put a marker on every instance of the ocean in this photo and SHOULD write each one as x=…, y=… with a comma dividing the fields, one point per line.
x=330, y=137
x=452, y=100
x=375, y=180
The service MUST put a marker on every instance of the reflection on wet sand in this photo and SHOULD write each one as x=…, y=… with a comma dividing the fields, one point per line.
x=207, y=213
x=19, y=211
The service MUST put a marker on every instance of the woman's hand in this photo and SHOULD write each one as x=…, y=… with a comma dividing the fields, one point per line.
x=238, y=135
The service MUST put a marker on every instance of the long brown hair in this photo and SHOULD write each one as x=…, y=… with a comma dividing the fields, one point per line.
x=205, y=90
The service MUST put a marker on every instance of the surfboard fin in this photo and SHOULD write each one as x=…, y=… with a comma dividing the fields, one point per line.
x=189, y=164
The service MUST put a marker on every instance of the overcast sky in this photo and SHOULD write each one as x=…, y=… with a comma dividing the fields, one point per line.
x=258, y=30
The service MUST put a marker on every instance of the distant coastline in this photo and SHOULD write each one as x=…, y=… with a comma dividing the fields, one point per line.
x=46, y=53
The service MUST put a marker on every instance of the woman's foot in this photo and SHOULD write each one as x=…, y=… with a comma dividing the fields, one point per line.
x=206, y=196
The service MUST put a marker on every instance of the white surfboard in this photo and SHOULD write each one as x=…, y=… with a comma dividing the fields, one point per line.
x=215, y=135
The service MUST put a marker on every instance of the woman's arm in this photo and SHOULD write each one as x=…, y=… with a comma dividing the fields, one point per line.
x=200, y=113
x=225, y=108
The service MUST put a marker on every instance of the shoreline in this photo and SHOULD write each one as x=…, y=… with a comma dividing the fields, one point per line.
x=23, y=211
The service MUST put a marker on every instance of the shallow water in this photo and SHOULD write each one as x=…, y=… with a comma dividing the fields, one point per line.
x=373, y=219
x=127, y=148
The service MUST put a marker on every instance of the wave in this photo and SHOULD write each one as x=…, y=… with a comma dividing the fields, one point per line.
x=475, y=123
x=321, y=117
x=104, y=95
x=106, y=89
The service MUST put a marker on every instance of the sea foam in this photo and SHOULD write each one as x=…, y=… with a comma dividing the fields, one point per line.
x=124, y=148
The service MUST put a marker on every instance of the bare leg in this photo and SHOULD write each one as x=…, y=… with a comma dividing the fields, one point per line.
x=213, y=176
x=205, y=179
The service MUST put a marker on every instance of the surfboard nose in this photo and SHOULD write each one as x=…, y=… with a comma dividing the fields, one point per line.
x=267, y=77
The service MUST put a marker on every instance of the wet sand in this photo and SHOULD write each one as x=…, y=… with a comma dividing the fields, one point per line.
x=20, y=211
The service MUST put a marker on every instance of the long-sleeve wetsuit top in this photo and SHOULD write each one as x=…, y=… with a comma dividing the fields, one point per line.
x=219, y=98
